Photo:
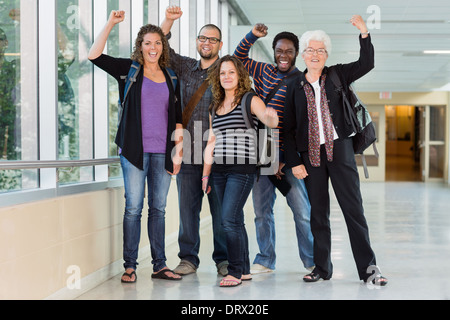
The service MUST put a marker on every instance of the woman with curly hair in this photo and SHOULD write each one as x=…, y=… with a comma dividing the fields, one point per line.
x=230, y=157
x=151, y=113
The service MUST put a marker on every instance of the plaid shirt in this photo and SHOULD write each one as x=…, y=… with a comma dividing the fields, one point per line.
x=191, y=75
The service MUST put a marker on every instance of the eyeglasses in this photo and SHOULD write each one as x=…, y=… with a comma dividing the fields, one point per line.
x=211, y=39
x=311, y=51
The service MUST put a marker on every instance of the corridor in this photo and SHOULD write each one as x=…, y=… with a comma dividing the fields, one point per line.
x=409, y=224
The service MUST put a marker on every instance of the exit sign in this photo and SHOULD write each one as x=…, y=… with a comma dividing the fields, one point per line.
x=386, y=95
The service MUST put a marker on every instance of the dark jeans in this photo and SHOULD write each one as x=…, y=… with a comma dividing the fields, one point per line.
x=190, y=197
x=233, y=190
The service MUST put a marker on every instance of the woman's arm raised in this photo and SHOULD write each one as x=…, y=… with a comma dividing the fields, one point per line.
x=100, y=42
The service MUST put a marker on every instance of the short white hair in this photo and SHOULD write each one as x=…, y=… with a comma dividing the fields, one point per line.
x=315, y=35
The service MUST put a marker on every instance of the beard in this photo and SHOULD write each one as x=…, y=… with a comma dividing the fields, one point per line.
x=207, y=56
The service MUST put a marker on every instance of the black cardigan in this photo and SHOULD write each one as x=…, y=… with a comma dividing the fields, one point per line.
x=129, y=133
x=296, y=112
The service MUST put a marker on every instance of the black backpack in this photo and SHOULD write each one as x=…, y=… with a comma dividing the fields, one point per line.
x=266, y=146
x=358, y=117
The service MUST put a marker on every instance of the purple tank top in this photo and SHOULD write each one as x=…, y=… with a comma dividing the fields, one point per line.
x=154, y=114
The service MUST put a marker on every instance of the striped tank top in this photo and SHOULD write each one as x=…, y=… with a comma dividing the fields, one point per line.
x=235, y=147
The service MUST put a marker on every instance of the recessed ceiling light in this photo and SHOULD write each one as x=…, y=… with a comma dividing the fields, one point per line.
x=436, y=51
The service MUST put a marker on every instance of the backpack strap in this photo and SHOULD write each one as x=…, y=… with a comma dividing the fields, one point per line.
x=173, y=78
x=129, y=79
x=349, y=114
x=135, y=68
x=246, y=107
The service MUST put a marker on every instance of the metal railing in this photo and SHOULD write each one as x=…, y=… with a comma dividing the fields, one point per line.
x=46, y=164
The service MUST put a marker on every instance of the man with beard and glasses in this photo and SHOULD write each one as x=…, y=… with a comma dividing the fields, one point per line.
x=193, y=74
x=266, y=77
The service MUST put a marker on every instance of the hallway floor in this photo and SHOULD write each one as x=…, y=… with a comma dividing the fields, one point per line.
x=409, y=225
x=402, y=168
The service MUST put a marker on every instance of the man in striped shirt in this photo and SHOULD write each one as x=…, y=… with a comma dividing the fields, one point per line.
x=266, y=77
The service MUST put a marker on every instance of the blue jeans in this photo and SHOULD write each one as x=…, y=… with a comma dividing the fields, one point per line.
x=233, y=190
x=158, y=183
x=190, y=197
x=297, y=199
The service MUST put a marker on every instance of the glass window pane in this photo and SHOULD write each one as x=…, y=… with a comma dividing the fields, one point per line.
x=437, y=161
x=75, y=126
x=18, y=91
x=117, y=41
x=437, y=123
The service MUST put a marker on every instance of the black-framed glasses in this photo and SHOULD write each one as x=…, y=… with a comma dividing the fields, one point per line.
x=211, y=39
x=310, y=51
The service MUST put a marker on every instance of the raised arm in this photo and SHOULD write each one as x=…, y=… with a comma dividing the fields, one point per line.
x=172, y=13
x=100, y=42
x=242, y=50
x=366, y=62
x=359, y=23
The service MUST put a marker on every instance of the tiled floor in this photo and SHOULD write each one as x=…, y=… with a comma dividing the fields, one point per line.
x=409, y=225
x=402, y=168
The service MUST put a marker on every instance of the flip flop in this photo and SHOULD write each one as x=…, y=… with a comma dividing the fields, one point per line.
x=129, y=275
x=161, y=274
x=234, y=284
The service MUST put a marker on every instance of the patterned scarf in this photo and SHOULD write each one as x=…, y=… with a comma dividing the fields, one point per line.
x=314, y=138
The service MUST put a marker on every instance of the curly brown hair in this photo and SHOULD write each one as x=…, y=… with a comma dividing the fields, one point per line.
x=137, y=51
x=244, y=82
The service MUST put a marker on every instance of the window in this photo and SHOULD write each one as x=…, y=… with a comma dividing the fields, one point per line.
x=75, y=113
x=18, y=87
x=118, y=45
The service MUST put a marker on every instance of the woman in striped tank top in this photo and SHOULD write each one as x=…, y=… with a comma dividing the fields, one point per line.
x=230, y=158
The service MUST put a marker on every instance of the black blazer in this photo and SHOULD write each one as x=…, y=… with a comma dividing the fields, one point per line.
x=296, y=111
x=129, y=133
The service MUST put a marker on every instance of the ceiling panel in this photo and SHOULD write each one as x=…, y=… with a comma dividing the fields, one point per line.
x=405, y=30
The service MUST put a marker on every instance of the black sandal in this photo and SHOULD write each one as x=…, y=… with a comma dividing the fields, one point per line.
x=313, y=277
x=161, y=274
x=130, y=276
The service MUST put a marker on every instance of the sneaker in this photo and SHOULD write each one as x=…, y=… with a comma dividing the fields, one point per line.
x=258, y=268
x=222, y=268
x=185, y=267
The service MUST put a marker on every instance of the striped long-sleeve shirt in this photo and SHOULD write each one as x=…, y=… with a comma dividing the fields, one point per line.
x=265, y=77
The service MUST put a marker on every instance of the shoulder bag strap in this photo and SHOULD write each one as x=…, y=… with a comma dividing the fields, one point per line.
x=189, y=109
x=274, y=90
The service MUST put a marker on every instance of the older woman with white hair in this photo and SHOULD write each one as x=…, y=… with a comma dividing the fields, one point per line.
x=318, y=148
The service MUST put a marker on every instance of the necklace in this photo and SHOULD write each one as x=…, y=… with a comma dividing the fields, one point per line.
x=151, y=72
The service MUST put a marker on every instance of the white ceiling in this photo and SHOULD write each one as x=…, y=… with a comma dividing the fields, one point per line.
x=406, y=29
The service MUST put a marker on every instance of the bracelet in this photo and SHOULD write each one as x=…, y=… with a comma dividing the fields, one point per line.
x=365, y=33
x=205, y=177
